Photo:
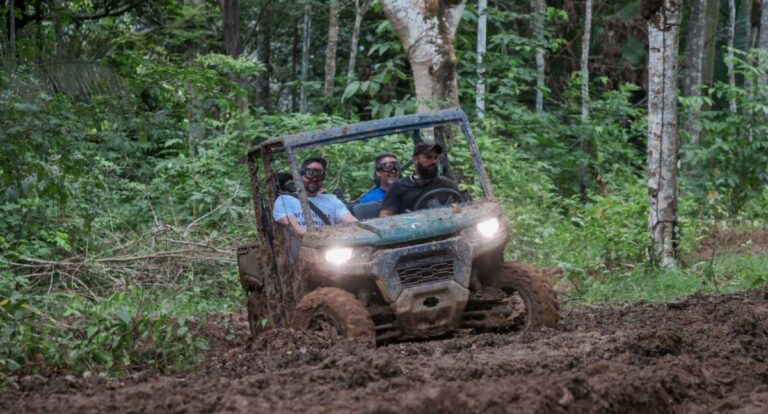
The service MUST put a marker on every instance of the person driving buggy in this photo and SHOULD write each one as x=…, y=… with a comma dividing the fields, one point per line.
x=327, y=209
x=404, y=194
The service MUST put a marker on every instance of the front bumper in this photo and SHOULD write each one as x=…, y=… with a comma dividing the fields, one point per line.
x=425, y=283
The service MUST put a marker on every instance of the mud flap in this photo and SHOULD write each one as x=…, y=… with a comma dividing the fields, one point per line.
x=249, y=267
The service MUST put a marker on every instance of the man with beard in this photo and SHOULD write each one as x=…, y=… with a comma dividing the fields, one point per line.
x=327, y=209
x=404, y=193
x=387, y=171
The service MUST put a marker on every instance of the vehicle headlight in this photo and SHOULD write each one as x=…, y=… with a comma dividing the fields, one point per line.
x=338, y=255
x=488, y=228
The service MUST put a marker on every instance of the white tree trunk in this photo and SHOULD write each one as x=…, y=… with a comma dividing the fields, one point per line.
x=330, y=50
x=663, y=36
x=585, y=41
x=731, y=40
x=305, y=60
x=482, y=26
x=426, y=29
x=538, y=7
x=360, y=10
x=692, y=76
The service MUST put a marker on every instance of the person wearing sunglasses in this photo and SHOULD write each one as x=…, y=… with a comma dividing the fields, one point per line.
x=327, y=209
x=387, y=172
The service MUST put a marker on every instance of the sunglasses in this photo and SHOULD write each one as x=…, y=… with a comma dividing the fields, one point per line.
x=388, y=167
x=314, y=173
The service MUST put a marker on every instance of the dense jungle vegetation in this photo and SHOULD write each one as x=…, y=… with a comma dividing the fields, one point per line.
x=123, y=191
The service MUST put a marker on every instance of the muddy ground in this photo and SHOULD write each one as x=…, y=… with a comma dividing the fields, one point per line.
x=698, y=355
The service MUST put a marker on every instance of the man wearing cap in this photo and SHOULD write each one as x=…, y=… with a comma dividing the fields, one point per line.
x=404, y=193
x=288, y=208
x=387, y=171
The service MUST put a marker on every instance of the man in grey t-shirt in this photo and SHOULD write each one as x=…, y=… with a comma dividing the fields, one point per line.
x=288, y=208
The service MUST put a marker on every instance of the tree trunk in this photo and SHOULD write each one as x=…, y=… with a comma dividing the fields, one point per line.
x=330, y=50
x=360, y=10
x=231, y=12
x=426, y=29
x=762, y=40
x=538, y=32
x=692, y=75
x=729, y=60
x=305, y=60
x=663, y=36
x=585, y=41
x=232, y=46
x=295, y=57
x=12, y=34
x=265, y=35
x=482, y=26
x=708, y=65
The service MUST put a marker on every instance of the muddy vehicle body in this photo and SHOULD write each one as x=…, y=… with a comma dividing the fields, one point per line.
x=414, y=275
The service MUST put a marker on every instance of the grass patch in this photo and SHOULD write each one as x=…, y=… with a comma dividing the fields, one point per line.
x=726, y=274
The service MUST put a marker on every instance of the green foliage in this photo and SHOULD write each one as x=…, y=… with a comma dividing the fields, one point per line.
x=64, y=333
x=728, y=165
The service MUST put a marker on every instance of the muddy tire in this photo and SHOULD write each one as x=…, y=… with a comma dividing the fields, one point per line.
x=334, y=311
x=257, y=313
x=534, y=289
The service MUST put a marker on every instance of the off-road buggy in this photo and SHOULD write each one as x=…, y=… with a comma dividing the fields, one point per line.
x=420, y=274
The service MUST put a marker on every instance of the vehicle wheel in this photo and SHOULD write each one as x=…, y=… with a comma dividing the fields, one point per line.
x=334, y=311
x=531, y=297
x=257, y=313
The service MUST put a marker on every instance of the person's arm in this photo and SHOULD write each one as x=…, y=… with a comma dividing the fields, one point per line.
x=390, y=205
x=282, y=213
x=348, y=218
x=341, y=212
x=295, y=226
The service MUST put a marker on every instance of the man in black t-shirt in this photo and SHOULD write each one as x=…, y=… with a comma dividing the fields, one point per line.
x=404, y=193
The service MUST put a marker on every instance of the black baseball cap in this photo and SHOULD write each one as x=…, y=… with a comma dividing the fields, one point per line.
x=423, y=147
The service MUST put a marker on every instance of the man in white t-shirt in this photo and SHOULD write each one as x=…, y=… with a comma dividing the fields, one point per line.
x=288, y=208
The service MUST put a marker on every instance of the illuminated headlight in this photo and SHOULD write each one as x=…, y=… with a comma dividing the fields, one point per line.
x=339, y=255
x=488, y=228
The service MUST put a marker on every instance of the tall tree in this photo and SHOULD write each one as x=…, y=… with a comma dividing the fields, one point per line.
x=731, y=41
x=306, y=35
x=265, y=45
x=538, y=7
x=708, y=65
x=330, y=50
x=482, y=26
x=663, y=37
x=585, y=41
x=762, y=40
x=295, y=58
x=231, y=11
x=692, y=74
x=232, y=43
x=12, y=33
x=426, y=29
x=361, y=7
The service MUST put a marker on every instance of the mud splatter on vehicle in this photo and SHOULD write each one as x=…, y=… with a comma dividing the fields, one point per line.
x=421, y=274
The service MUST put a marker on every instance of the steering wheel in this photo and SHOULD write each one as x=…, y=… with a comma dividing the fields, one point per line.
x=430, y=197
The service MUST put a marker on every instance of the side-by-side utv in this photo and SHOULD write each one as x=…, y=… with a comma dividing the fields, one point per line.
x=419, y=274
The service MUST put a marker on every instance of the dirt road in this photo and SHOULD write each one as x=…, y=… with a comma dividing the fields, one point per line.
x=703, y=354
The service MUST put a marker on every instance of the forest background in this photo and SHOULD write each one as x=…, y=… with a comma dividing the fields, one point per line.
x=123, y=125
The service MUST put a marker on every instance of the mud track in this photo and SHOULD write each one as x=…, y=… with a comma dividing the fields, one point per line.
x=699, y=355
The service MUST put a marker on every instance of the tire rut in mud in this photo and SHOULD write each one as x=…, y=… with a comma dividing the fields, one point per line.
x=701, y=354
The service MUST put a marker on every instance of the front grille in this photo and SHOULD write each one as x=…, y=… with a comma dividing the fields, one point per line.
x=426, y=268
